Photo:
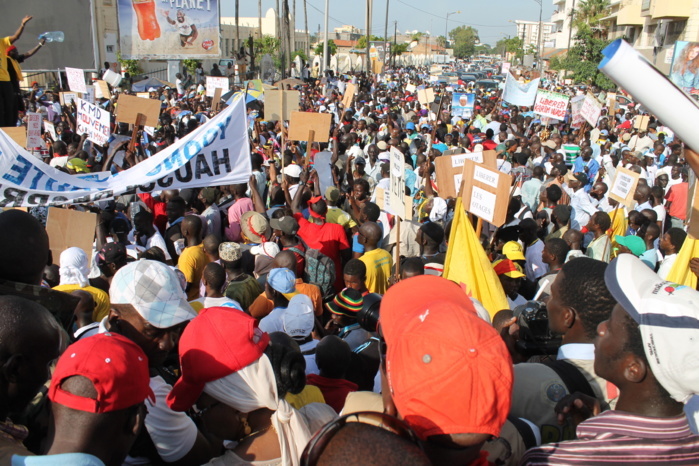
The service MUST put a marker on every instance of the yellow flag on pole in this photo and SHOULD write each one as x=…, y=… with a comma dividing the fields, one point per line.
x=467, y=264
x=680, y=272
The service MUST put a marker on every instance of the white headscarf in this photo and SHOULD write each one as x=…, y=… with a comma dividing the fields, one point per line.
x=254, y=387
x=439, y=210
x=74, y=269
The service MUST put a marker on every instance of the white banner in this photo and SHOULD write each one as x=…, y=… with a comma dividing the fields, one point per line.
x=217, y=153
x=94, y=121
x=214, y=82
x=520, y=94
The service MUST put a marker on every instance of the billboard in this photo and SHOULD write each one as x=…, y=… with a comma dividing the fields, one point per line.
x=684, y=71
x=173, y=29
x=73, y=17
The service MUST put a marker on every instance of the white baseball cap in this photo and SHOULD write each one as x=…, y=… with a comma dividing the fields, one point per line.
x=668, y=317
x=298, y=319
x=268, y=249
x=292, y=170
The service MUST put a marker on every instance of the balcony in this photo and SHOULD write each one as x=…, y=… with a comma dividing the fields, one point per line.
x=674, y=9
x=630, y=14
x=558, y=16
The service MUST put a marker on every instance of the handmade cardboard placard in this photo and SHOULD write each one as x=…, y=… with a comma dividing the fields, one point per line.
x=449, y=169
x=350, y=90
x=301, y=123
x=67, y=228
x=279, y=105
x=76, y=80
x=377, y=67
x=396, y=204
x=67, y=97
x=410, y=88
x=611, y=103
x=486, y=192
x=591, y=109
x=103, y=89
x=624, y=186
x=17, y=134
x=381, y=202
x=641, y=122
x=216, y=99
x=128, y=107
x=216, y=82
x=425, y=96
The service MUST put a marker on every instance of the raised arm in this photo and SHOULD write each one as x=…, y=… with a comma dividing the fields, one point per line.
x=19, y=32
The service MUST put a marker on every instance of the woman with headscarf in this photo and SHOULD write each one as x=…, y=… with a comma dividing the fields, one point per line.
x=74, y=271
x=234, y=378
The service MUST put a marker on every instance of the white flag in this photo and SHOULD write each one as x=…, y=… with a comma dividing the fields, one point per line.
x=520, y=94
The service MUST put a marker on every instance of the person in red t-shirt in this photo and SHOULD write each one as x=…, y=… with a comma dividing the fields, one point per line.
x=676, y=199
x=329, y=238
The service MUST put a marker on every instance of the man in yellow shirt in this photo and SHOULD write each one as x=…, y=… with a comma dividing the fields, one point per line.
x=377, y=261
x=193, y=259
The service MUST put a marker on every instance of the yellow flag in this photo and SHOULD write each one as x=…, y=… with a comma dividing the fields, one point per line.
x=467, y=264
x=680, y=272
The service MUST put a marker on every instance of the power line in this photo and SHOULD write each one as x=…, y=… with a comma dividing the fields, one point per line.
x=452, y=20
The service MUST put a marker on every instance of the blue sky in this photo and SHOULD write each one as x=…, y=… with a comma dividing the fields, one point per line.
x=490, y=17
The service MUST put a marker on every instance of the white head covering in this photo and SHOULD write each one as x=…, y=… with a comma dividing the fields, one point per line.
x=439, y=210
x=254, y=387
x=74, y=269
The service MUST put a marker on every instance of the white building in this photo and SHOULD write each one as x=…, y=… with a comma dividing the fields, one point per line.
x=528, y=31
x=562, y=21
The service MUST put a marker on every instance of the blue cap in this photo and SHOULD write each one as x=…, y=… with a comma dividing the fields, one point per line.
x=410, y=125
x=282, y=280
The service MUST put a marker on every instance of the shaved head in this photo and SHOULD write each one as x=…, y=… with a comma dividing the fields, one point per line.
x=372, y=232
x=285, y=260
x=24, y=248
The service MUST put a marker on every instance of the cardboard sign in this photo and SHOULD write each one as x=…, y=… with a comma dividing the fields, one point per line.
x=425, y=96
x=69, y=228
x=410, y=88
x=397, y=186
x=449, y=170
x=551, y=105
x=381, y=202
x=17, y=134
x=350, y=90
x=611, y=103
x=90, y=95
x=67, y=98
x=377, y=67
x=301, y=123
x=213, y=82
x=505, y=67
x=624, y=186
x=576, y=104
x=143, y=95
x=641, y=122
x=279, y=105
x=216, y=99
x=486, y=192
x=128, y=107
x=102, y=89
x=94, y=121
x=591, y=109
x=76, y=80
x=51, y=129
x=34, y=130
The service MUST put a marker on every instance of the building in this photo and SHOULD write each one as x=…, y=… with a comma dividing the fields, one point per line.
x=528, y=31
x=250, y=27
x=561, y=18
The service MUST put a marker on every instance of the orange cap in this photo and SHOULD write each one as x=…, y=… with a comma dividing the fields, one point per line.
x=449, y=371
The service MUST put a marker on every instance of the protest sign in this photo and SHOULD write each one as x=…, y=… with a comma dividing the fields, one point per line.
x=301, y=123
x=425, y=96
x=449, y=170
x=69, y=228
x=576, y=104
x=143, y=95
x=486, y=192
x=462, y=104
x=591, y=109
x=350, y=90
x=410, y=88
x=102, y=89
x=76, y=80
x=128, y=107
x=624, y=186
x=519, y=94
x=213, y=82
x=505, y=68
x=216, y=153
x=279, y=105
x=51, y=129
x=67, y=98
x=381, y=201
x=18, y=134
x=550, y=104
x=94, y=121
x=641, y=122
x=34, y=131
x=611, y=103
x=397, y=186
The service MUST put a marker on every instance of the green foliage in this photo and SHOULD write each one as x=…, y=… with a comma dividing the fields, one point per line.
x=417, y=36
x=332, y=48
x=299, y=53
x=190, y=64
x=509, y=45
x=266, y=44
x=485, y=49
x=399, y=49
x=361, y=43
x=589, y=12
x=582, y=60
x=131, y=66
x=441, y=41
x=464, y=40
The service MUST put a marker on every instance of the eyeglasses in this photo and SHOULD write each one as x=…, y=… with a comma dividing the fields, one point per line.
x=314, y=449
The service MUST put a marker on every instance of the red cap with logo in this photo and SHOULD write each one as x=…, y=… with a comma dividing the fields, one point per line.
x=116, y=366
x=448, y=371
x=215, y=344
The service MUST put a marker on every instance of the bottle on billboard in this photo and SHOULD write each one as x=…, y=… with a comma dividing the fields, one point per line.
x=52, y=36
x=148, y=27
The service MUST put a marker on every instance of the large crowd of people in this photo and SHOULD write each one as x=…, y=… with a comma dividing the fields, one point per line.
x=275, y=322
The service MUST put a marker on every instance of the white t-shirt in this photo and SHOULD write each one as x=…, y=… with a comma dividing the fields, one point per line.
x=59, y=161
x=666, y=265
x=311, y=366
x=153, y=241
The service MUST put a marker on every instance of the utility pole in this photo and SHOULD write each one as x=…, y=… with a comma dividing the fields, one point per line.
x=539, y=61
x=570, y=31
x=325, y=38
x=385, y=37
x=395, y=37
x=368, y=35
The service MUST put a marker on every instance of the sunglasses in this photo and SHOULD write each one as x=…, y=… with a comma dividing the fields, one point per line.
x=313, y=451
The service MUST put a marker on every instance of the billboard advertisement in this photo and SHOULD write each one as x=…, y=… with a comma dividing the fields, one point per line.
x=174, y=29
x=684, y=71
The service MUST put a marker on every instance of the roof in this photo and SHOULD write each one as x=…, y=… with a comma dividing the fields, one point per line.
x=550, y=53
x=345, y=43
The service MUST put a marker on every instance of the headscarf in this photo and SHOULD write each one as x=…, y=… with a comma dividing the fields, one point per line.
x=74, y=269
x=439, y=210
x=254, y=387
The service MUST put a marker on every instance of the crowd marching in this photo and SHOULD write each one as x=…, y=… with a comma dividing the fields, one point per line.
x=298, y=319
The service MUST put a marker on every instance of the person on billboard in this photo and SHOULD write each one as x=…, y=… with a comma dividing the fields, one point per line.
x=187, y=29
x=685, y=72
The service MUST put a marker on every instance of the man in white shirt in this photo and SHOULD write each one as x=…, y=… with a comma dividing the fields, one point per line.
x=534, y=266
x=670, y=244
x=581, y=202
x=146, y=235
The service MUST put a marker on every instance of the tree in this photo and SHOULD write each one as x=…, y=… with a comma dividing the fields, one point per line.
x=485, y=49
x=442, y=41
x=511, y=45
x=417, y=36
x=299, y=53
x=589, y=12
x=464, y=40
x=332, y=48
x=266, y=44
x=399, y=49
x=582, y=60
x=361, y=43
x=132, y=66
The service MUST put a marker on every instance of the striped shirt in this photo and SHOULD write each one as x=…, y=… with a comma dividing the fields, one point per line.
x=617, y=437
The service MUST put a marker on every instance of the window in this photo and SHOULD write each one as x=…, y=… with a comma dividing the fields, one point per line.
x=645, y=5
x=110, y=49
x=674, y=31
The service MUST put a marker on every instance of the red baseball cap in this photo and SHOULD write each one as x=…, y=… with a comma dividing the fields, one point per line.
x=449, y=371
x=116, y=366
x=216, y=343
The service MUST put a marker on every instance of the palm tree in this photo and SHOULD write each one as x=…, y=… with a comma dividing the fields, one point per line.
x=589, y=13
x=259, y=18
x=237, y=28
x=305, y=25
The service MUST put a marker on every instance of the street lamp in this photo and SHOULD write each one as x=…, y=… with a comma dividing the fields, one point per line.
x=446, y=26
x=539, y=62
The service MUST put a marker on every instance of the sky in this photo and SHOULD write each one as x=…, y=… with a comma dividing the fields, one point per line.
x=489, y=17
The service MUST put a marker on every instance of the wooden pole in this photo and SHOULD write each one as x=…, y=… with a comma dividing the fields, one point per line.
x=309, y=144
x=479, y=228
x=439, y=112
x=140, y=121
x=397, y=259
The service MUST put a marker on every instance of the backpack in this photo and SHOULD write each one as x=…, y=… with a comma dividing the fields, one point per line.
x=319, y=270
